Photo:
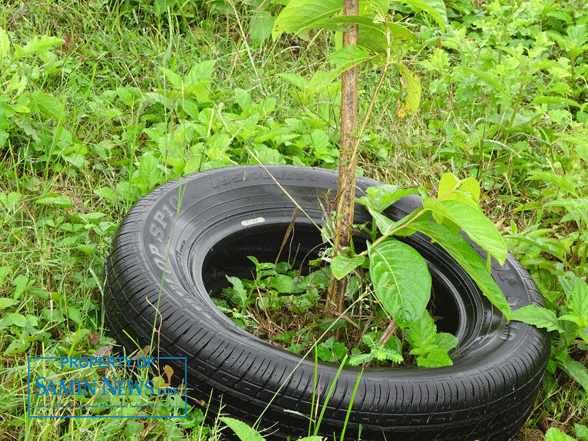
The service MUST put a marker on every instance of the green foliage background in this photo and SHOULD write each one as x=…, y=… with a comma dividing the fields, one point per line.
x=101, y=101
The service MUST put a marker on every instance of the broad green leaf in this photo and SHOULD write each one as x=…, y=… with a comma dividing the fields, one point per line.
x=445, y=341
x=581, y=431
x=3, y=273
x=451, y=188
x=346, y=58
x=21, y=284
x=243, y=99
x=471, y=186
x=74, y=314
x=489, y=78
x=578, y=208
x=106, y=193
x=295, y=79
x=243, y=431
x=436, y=8
x=261, y=28
x=386, y=225
x=48, y=105
x=201, y=71
x=579, y=301
x=478, y=227
x=412, y=86
x=574, y=369
x=469, y=259
x=555, y=100
x=4, y=45
x=17, y=319
x=38, y=44
x=372, y=35
x=239, y=290
x=566, y=182
x=547, y=244
x=380, y=197
x=299, y=16
x=6, y=302
x=436, y=357
x=56, y=201
x=421, y=335
x=342, y=265
x=430, y=347
x=285, y=284
x=537, y=316
x=401, y=278
x=448, y=183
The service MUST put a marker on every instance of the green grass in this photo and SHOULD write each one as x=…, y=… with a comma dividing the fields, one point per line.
x=91, y=123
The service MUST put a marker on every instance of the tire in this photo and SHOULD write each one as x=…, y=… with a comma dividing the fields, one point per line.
x=175, y=247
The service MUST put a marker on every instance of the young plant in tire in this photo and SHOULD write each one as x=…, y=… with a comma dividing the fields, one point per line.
x=401, y=279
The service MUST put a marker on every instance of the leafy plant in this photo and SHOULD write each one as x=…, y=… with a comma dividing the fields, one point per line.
x=570, y=322
x=368, y=34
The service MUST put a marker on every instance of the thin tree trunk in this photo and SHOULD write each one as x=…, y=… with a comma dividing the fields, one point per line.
x=347, y=163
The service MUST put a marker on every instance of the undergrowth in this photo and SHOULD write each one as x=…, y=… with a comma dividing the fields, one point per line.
x=103, y=100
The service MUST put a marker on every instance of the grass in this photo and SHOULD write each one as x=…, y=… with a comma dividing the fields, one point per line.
x=82, y=119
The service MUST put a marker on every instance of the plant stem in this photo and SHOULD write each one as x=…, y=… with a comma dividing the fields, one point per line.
x=347, y=163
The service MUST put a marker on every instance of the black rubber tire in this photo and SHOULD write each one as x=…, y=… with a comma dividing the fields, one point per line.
x=175, y=247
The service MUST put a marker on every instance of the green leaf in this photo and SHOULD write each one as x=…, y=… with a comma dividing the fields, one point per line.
x=574, y=369
x=48, y=105
x=421, y=335
x=478, y=227
x=430, y=347
x=299, y=16
x=448, y=183
x=548, y=244
x=342, y=265
x=412, y=86
x=242, y=430
x=537, y=316
x=261, y=28
x=436, y=8
x=581, y=431
x=401, y=278
x=451, y=188
x=21, y=284
x=578, y=208
x=3, y=273
x=16, y=319
x=579, y=301
x=445, y=341
x=380, y=197
x=106, y=193
x=383, y=354
x=469, y=259
x=7, y=303
x=356, y=360
x=490, y=79
x=74, y=314
x=239, y=290
x=4, y=46
x=565, y=182
x=243, y=99
x=38, y=44
x=285, y=284
x=555, y=100
x=436, y=357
